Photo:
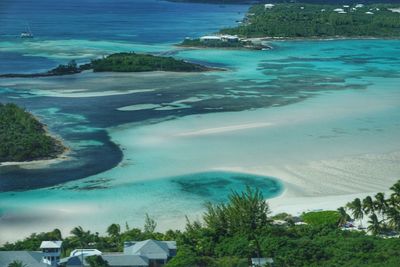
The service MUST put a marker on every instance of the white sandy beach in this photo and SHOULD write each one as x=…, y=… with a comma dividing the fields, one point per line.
x=326, y=151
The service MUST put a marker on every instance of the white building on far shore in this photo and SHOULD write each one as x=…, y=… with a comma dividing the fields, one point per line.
x=223, y=38
x=268, y=6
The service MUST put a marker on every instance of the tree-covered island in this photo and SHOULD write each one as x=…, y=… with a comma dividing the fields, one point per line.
x=132, y=62
x=299, y=20
x=23, y=137
x=121, y=62
x=240, y=2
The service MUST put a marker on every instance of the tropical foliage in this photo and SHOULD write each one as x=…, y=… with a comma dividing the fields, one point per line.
x=233, y=232
x=132, y=62
x=320, y=218
x=383, y=212
x=286, y=1
x=70, y=68
x=311, y=20
x=23, y=137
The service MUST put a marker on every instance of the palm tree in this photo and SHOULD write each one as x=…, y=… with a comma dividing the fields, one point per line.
x=374, y=224
x=17, y=264
x=356, y=208
x=114, y=230
x=368, y=205
x=393, y=216
x=344, y=217
x=80, y=236
x=396, y=189
x=394, y=200
x=381, y=203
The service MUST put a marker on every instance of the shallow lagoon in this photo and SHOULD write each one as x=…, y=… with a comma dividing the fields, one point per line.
x=318, y=104
x=165, y=143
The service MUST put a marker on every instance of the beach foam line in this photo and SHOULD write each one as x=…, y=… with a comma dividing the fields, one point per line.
x=226, y=129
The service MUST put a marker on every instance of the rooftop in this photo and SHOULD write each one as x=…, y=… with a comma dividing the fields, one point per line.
x=51, y=244
x=126, y=260
x=151, y=249
x=30, y=258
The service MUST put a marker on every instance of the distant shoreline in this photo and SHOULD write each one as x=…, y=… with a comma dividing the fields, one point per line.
x=100, y=65
x=330, y=38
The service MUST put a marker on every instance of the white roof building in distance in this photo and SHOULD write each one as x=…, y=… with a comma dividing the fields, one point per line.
x=51, y=244
x=396, y=10
x=210, y=38
x=156, y=251
x=369, y=13
x=268, y=6
x=359, y=5
x=229, y=38
x=339, y=10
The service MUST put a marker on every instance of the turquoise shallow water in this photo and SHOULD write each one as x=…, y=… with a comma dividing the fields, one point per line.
x=190, y=138
x=356, y=81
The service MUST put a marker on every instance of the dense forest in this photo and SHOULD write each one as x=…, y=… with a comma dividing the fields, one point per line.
x=321, y=21
x=132, y=62
x=288, y=1
x=233, y=232
x=23, y=137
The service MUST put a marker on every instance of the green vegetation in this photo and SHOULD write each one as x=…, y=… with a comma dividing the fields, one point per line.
x=120, y=62
x=231, y=233
x=320, y=218
x=70, y=68
x=23, y=137
x=383, y=213
x=319, y=21
x=286, y=1
x=132, y=62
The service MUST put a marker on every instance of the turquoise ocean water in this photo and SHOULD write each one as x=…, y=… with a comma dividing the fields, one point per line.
x=163, y=143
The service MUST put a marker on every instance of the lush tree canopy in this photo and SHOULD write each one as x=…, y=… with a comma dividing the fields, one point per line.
x=288, y=1
x=132, y=62
x=309, y=20
x=327, y=217
x=231, y=233
x=23, y=137
x=383, y=212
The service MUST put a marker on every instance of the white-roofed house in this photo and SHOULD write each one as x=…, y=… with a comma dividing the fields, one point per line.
x=210, y=38
x=51, y=252
x=158, y=252
x=268, y=6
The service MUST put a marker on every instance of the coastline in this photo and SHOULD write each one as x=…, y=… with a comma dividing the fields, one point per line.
x=62, y=152
x=331, y=38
